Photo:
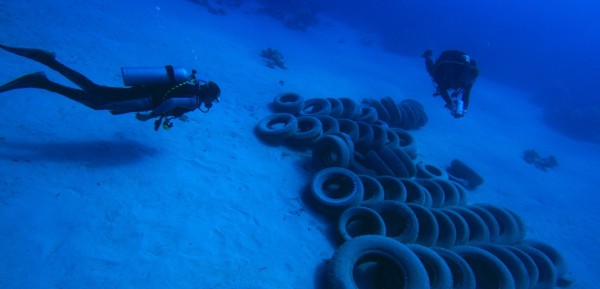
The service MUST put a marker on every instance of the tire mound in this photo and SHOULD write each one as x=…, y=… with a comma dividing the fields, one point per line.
x=401, y=221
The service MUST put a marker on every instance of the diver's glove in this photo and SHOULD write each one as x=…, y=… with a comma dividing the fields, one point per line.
x=427, y=53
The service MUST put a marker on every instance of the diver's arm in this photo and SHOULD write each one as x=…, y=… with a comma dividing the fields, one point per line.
x=182, y=103
x=444, y=93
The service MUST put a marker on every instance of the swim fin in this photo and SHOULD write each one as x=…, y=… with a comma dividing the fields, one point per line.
x=32, y=80
x=31, y=53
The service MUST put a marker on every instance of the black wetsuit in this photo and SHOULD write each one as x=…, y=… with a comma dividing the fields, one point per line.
x=453, y=70
x=173, y=99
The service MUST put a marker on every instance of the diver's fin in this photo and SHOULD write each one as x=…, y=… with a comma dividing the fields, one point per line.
x=26, y=81
x=31, y=53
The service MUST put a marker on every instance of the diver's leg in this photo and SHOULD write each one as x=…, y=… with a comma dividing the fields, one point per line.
x=48, y=58
x=444, y=93
x=39, y=80
x=116, y=99
x=31, y=53
x=25, y=81
x=91, y=94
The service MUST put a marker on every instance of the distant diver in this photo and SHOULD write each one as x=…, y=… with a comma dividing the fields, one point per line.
x=164, y=93
x=453, y=70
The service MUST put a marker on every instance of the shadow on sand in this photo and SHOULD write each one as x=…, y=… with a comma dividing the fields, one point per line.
x=96, y=153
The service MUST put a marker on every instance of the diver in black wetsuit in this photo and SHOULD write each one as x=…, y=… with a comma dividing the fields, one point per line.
x=166, y=95
x=453, y=70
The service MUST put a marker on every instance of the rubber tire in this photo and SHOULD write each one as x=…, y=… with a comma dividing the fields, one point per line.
x=377, y=164
x=288, y=103
x=309, y=131
x=331, y=151
x=373, y=191
x=512, y=262
x=532, y=269
x=429, y=171
x=367, y=114
x=330, y=125
x=406, y=161
x=489, y=221
x=419, y=111
x=393, y=162
x=401, y=223
x=316, y=107
x=410, y=119
x=346, y=138
x=470, y=179
x=510, y=231
x=547, y=277
x=393, y=188
x=460, y=224
x=434, y=190
x=520, y=224
x=407, y=142
x=447, y=230
x=462, y=274
x=489, y=271
x=429, y=229
x=379, y=138
x=451, y=194
x=382, y=113
x=557, y=259
x=462, y=192
x=266, y=130
x=415, y=193
x=365, y=136
x=350, y=128
x=359, y=221
x=346, y=190
x=381, y=123
x=478, y=230
x=337, y=108
x=351, y=108
x=438, y=271
x=391, y=107
x=360, y=165
x=399, y=261
x=392, y=139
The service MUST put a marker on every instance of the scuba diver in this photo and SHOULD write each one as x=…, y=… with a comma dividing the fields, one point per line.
x=453, y=70
x=164, y=93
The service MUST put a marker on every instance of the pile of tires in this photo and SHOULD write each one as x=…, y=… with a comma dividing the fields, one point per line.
x=300, y=123
x=408, y=114
x=402, y=222
x=422, y=231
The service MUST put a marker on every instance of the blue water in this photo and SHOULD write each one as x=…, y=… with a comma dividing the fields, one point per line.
x=91, y=200
x=549, y=48
x=535, y=44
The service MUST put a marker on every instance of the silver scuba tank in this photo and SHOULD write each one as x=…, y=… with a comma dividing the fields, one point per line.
x=133, y=76
x=459, y=106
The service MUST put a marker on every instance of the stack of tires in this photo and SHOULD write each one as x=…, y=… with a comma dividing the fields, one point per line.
x=402, y=222
x=421, y=233
x=301, y=123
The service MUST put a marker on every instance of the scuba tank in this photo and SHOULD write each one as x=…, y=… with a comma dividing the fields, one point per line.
x=166, y=75
x=459, y=106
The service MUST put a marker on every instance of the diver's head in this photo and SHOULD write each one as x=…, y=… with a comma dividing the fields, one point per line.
x=209, y=93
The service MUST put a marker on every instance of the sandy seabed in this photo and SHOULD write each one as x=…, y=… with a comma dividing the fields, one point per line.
x=91, y=200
